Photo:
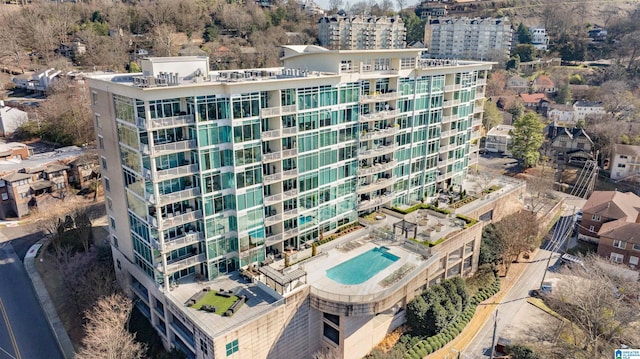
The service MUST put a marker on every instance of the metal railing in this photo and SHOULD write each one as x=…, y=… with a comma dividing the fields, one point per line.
x=179, y=195
x=177, y=172
x=379, y=184
x=290, y=193
x=290, y=213
x=181, y=219
x=270, y=134
x=375, y=201
x=271, y=178
x=378, y=97
x=380, y=133
x=278, y=110
x=186, y=239
x=166, y=148
x=273, y=218
x=290, y=174
x=378, y=116
x=273, y=239
x=362, y=171
x=183, y=263
x=378, y=151
x=272, y=199
x=172, y=121
x=291, y=233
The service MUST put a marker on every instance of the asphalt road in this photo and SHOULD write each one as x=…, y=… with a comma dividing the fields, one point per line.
x=24, y=330
x=509, y=307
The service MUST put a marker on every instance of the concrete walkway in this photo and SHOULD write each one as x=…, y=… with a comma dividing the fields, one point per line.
x=64, y=342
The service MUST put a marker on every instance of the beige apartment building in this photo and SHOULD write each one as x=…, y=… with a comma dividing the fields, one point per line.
x=362, y=32
x=215, y=179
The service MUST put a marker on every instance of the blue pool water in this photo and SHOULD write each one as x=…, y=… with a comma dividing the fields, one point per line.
x=361, y=268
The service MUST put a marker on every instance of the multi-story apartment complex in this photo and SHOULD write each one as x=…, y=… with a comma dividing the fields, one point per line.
x=209, y=172
x=499, y=139
x=465, y=38
x=625, y=162
x=362, y=32
x=539, y=38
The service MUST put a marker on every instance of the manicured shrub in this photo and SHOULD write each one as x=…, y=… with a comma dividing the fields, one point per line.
x=428, y=348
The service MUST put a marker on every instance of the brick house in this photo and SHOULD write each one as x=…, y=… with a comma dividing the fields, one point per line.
x=620, y=242
x=83, y=171
x=570, y=144
x=605, y=214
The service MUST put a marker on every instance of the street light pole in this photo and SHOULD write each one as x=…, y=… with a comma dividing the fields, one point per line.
x=495, y=331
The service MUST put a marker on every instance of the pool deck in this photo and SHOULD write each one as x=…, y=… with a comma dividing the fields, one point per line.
x=317, y=269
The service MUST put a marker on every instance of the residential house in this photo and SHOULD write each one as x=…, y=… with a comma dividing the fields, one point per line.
x=625, y=163
x=72, y=50
x=598, y=35
x=38, y=82
x=83, y=171
x=582, y=109
x=518, y=84
x=22, y=191
x=535, y=101
x=10, y=119
x=539, y=38
x=612, y=220
x=571, y=145
x=562, y=114
x=14, y=152
x=498, y=139
x=428, y=9
x=544, y=84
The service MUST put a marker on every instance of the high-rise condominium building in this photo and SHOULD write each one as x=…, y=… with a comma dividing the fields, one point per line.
x=210, y=172
x=362, y=32
x=464, y=38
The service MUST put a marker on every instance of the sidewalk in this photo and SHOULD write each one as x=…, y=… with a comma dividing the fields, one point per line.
x=66, y=347
x=484, y=311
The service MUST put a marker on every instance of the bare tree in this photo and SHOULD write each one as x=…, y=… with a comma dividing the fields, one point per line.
x=327, y=353
x=538, y=193
x=401, y=5
x=601, y=299
x=517, y=233
x=106, y=331
x=483, y=179
x=335, y=5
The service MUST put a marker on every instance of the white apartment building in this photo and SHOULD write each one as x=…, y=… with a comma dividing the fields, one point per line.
x=625, y=162
x=210, y=172
x=498, y=139
x=465, y=38
x=362, y=32
x=539, y=38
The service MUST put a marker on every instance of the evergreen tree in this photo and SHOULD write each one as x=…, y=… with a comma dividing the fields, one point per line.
x=526, y=139
x=524, y=34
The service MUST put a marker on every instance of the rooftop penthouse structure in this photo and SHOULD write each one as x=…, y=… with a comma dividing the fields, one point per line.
x=209, y=173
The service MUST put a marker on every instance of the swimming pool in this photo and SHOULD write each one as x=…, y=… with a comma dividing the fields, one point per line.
x=361, y=268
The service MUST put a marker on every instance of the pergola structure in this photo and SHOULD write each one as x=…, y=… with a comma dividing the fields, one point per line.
x=405, y=227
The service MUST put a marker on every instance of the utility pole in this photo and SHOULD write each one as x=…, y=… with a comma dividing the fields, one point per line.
x=495, y=331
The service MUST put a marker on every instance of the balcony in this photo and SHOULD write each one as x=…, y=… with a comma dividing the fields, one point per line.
x=179, y=196
x=180, y=219
x=290, y=174
x=267, y=135
x=189, y=169
x=481, y=82
x=445, y=134
x=186, y=239
x=278, y=111
x=379, y=97
x=174, y=121
x=448, y=119
x=444, y=162
x=180, y=264
x=290, y=194
x=273, y=218
x=290, y=214
x=375, y=202
x=379, y=184
x=380, y=133
x=167, y=148
x=381, y=167
x=291, y=233
x=287, y=131
x=272, y=199
x=452, y=87
x=274, y=156
x=379, y=116
x=268, y=179
x=273, y=239
x=379, y=151
x=479, y=95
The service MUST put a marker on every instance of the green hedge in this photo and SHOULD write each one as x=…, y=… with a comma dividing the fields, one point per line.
x=470, y=221
x=426, y=346
x=421, y=206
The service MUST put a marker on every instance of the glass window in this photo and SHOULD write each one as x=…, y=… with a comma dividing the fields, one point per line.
x=232, y=347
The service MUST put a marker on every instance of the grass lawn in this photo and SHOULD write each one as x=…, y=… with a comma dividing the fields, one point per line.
x=221, y=303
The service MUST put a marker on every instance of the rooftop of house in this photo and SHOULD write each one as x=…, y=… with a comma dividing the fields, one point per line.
x=500, y=130
x=571, y=132
x=560, y=107
x=583, y=103
x=533, y=98
x=544, y=81
x=16, y=176
x=614, y=204
x=621, y=230
x=628, y=150
x=62, y=154
x=11, y=146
